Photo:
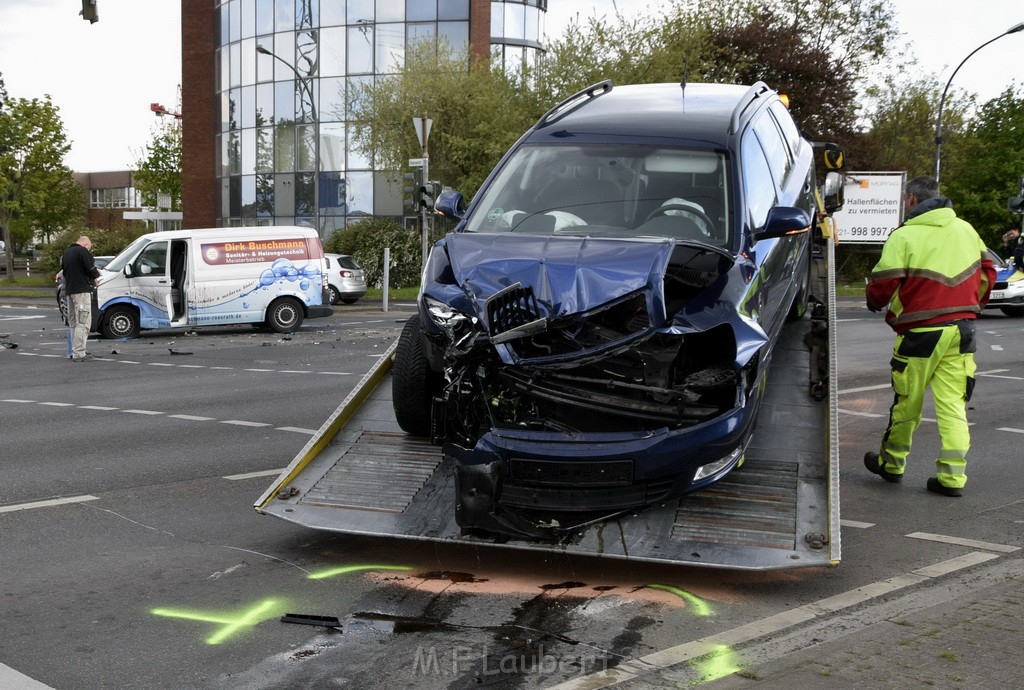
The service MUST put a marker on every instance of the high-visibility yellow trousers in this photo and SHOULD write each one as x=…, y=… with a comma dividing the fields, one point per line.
x=940, y=357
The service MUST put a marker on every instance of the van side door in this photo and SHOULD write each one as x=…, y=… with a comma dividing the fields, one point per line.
x=149, y=286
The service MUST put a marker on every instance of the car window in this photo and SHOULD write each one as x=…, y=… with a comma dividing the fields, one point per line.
x=348, y=262
x=610, y=190
x=757, y=180
x=775, y=148
x=155, y=257
x=789, y=129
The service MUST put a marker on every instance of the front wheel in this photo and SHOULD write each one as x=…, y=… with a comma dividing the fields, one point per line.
x=284, y=315
x=413, y=384
x=121, y=321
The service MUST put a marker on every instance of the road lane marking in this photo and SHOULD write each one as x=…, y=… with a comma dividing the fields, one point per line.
x=47, y=503
x=18, y=400
x=254, y=475
x=296, y=429
x=1011, y=430
x=860, y=414
x=855, y=524
x=865, y=388
x=58, y=404
x=105, y=408
x=191, y=417
x=150, y=412
x=1011, y=378
x=242, y=422
x=997, y=348
x=970, y=543
x=9, y=678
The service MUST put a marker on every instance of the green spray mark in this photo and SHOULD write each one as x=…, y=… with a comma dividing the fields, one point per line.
x=230, y=625
x=346, y=569
x=718, y=663
x=700, y=607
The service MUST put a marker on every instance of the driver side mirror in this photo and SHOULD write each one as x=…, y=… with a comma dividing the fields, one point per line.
x=450, y=204
x=784, y=220
x=833, y=192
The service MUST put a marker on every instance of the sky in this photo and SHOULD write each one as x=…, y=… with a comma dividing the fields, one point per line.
x=104, y=76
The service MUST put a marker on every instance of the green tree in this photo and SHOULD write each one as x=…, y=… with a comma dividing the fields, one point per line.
x=983, y=171
x=32, y=149
x=477, y=114
x=158, y=168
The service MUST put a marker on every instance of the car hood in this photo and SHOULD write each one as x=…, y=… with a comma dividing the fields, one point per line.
x=568, y=275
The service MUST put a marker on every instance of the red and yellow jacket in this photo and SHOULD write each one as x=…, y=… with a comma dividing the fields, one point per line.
x=934, y=268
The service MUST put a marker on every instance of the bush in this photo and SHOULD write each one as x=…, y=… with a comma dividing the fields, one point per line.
x=366, y=240
x=104, y=243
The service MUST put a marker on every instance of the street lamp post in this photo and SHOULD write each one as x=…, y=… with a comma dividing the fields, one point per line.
x=942, y=101
x=304, y=82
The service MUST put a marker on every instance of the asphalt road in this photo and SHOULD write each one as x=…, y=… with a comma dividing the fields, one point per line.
x=150, y=568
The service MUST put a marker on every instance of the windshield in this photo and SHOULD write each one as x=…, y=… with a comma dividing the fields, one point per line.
x=608, y=190
x=119, y=261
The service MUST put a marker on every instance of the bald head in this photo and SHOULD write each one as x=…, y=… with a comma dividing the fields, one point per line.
x=85, y=241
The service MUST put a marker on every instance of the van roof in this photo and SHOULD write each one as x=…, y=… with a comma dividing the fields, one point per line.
x=262, y=231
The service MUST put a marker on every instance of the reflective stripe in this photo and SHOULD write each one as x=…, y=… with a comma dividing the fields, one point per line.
x=952, y=454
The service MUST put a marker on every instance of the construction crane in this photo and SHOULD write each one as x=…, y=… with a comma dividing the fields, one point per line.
x=161, y=110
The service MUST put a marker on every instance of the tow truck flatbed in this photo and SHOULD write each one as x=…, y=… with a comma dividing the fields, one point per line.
x=361, y=474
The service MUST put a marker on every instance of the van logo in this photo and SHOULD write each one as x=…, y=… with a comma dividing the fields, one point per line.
x=212, y=254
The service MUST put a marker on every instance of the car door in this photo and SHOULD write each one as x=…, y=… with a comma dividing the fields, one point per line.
x=149, y=286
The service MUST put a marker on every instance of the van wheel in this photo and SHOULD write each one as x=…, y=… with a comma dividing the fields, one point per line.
x=413, y=384
x=284, y=315
x=121, y=321
x=335, y=295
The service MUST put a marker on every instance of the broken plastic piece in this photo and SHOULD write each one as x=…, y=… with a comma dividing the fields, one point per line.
x=310, y=619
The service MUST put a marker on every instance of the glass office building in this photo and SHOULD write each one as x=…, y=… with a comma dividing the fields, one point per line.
x=266, y=97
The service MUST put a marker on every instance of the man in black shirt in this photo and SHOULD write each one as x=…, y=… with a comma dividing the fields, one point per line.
x=80, y=274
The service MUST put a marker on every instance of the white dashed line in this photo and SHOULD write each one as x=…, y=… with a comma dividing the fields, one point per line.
x=997, y=348
x=161, y=364
x=855, y=524
x=191, y=417
x=293, y=371
x=104, y=408
x=335, y=373
x=1011, y=378
x=242, y=422
x=189, y=366
x=254, y=475
x=865, y=388
x=969, y=543
x=261, y=370
x=861, y=414
x=296, y=429
x=57, y=404
x=47, y=503
x=149, y=412
x=18, y=400
x=221, y=368
x=1011, y=430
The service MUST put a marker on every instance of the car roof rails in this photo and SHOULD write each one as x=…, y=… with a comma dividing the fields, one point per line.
x=573, y=102
x=752, y=94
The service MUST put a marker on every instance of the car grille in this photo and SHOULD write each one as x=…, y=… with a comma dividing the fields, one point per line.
x=610, y=473
x=585, y=499
x=511, y=308
x=1001, y=285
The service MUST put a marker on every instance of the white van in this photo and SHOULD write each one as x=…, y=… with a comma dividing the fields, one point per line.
x=275, y=276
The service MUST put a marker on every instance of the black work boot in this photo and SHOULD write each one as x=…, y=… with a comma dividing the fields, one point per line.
x=874, y=465
x=935, y=485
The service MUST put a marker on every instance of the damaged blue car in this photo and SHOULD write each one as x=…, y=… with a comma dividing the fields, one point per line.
x=594, y=336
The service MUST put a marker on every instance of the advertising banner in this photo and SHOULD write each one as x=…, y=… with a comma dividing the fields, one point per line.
x=254, y=251
x=873, y=207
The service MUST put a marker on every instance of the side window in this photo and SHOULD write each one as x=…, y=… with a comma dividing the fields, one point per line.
x=789, y=129
x=154, y=257
x=757, y=180
x=775, y=149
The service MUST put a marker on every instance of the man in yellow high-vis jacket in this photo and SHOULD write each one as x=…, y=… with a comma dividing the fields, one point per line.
x=935, y=276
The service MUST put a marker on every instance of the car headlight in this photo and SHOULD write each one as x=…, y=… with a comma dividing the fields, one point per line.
x=713, y=468
x=440, y=313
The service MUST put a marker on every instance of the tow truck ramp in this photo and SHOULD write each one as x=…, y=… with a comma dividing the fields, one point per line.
x=361, y=474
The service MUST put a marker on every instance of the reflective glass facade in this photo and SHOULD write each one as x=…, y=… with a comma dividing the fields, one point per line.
x=285, y=72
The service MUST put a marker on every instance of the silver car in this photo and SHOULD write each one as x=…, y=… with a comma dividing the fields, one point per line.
x=346, y=279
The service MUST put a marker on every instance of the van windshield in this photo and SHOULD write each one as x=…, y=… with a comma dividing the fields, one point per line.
x=118, y=263
x=609, y=190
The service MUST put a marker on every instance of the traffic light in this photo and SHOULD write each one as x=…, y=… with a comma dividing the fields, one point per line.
x=411, y=186
x=89, y=11
x=428, y=193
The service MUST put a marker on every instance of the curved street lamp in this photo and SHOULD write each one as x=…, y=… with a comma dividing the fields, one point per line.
x=942, y=101
x=305, y=84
